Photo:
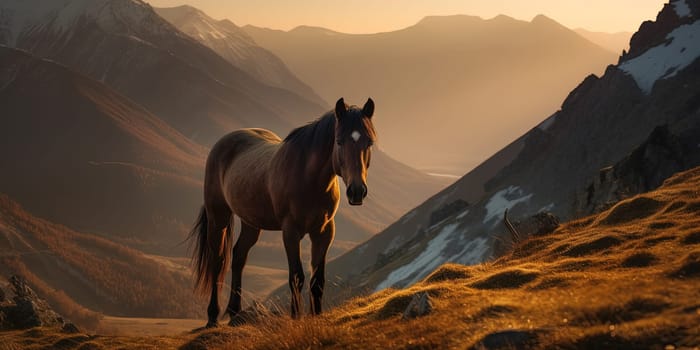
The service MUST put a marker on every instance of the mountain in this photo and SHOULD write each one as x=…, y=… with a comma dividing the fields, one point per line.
x=623, y=279
x=615, y=42
x=453, y=89
x=237, y=47
x=641, y=117
x=81, y=154
x=127, y=46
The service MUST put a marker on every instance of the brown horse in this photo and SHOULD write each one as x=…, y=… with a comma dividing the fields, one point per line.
x=288, y=185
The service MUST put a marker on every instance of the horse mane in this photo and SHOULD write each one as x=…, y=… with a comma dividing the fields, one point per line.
x=318, y=134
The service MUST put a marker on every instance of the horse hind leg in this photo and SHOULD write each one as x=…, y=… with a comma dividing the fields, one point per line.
x=248, y=237
x=219, y=230
x=292, y=240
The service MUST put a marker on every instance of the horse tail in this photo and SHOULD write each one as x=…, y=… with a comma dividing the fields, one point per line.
x=211, y=254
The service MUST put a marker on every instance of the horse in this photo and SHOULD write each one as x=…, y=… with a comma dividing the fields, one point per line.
x=273, y=184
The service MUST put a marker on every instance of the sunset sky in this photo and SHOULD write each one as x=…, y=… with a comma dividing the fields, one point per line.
x=371, y=16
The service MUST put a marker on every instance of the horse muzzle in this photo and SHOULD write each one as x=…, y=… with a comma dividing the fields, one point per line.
x=356, y=193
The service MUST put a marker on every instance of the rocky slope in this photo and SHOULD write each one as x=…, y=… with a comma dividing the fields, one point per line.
x=453, y=89
x=601, y=122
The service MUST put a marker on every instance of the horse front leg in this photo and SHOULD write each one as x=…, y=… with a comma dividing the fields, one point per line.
x=320, y=242
x=292, y=242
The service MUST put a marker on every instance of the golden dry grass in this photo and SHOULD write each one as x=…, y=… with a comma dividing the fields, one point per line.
x=628, y=278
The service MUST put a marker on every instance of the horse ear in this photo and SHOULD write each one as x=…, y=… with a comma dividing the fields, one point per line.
x=340, y=108
x=368, y=109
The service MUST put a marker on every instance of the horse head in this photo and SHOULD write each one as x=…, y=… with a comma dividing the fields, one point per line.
x=354, y=137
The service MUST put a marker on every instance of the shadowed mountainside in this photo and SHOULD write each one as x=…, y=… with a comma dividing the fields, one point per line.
x=454, y=89
x=642, y=256
x=85, y=156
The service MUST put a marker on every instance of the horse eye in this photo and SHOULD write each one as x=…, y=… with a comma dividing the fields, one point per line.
x=340, y=143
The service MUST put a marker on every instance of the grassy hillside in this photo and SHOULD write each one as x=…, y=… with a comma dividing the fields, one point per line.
x=81, y=274
x=625, y=279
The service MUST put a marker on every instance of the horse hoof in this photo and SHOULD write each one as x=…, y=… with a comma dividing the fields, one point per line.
x=211, y=325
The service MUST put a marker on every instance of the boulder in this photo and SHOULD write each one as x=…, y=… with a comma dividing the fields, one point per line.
x=420, y=305
x=26, y=309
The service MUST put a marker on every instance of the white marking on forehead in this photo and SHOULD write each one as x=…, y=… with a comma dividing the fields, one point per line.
x=355, y=135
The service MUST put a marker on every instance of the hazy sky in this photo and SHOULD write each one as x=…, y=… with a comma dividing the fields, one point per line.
x=369, y=16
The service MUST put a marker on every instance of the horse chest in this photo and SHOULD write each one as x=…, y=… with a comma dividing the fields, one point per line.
x=313, y=210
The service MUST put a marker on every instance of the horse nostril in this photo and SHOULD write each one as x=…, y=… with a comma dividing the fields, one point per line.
x=364, y=191
x=350, y=192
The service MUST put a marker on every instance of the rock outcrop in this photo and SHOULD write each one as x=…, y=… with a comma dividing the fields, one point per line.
x=644, y=169
x=26, y=309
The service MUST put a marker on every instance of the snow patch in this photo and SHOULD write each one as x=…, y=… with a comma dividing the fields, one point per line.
x=462, y=214
x=547, y=207
x=665, y=60
x=473, y=253
x=435, y=254
x=427, y=261
x=502, y=200
x=682, y=8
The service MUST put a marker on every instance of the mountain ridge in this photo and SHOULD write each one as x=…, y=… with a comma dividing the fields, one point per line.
x=459, y=70
x=237, y=47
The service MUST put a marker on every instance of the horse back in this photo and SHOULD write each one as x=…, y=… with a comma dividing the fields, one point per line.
x=236, y=173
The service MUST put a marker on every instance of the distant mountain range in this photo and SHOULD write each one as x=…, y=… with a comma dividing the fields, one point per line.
x=454, y=89
x=614, y=136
